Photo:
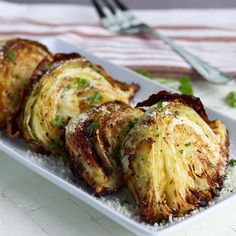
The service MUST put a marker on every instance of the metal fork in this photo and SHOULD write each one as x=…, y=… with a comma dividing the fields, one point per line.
x=122, y=21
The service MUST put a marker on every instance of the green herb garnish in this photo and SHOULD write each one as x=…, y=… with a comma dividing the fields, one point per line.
x=132, y=123
x=144, y=73
x=55, y=146
x=11, y=56
x=232, y=162
x=163, y=222
x=231, y=99
x=58, y=121
x=65, y=160
x=68, y=86
x=210, y=164
x=217, y=191
x=187, y=144
x=82, y=83
x=91, y=107
x=181, y=152
x=185, y=85
x=46, y=67
x=116, y=152
x=97, y=97
x=93, y=126
x=159, y=106
x=17, y=77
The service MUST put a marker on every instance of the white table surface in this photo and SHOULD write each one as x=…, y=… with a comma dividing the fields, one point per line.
x=30, y=205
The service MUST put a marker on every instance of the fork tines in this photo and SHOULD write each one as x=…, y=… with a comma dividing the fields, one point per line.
x=117, y=4
x=121, y=20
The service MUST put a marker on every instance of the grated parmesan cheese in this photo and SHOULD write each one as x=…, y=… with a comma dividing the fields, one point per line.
x=122, y=201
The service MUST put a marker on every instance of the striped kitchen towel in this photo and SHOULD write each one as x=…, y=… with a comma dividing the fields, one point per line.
x=209, y=34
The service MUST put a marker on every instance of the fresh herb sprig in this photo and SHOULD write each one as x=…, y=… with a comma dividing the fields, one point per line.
x=185, y=86
x=58, y=121
x=159, y=106
x=132, y=123
x=231, y=99
x=93, y=127
x=232, y=162
x=82, y=83
x=11, y=56
x=144, y=73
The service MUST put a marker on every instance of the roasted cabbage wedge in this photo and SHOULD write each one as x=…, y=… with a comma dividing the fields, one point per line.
x=174, y=158
x=72, y=85
x=18, y=60
x=93, y=142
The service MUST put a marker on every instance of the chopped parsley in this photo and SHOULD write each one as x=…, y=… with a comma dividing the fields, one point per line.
x=163, y=222
x=55, y=146
x=132, y=123
x=97, y=97
x=58, y=121
x=181, y=152
x=187, y=144
x=91, y=107
x=232, y=162
x=82, y=83
x=17, y=77
x=231, y=99
x=210, y=164
x=46, y=67
x=144, y=73
x=11, y=56
x=217, y=191
x=116, y=153
x=159, y=106
x=93, y=126
x=64, y=159
x=185, y=86
x=68, y=86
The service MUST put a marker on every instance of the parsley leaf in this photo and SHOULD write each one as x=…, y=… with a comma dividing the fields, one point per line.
x=82, y=83
x=232, y=162
x=93, y=126
x=46, y=67
x=55, y=146
x=58, y=121
x=116, y=151
x=231, y=99
x=69, y=86
x=217, y=191
x=210, y=164
x=185, y=85
x=144, y=73
x=97, y=97
x=159, y=106
x=187, y=144
x=11, y=56
x=132, y=123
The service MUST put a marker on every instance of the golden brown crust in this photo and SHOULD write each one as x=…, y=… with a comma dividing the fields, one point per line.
x=93, y=153
x=175, y=158
x=59, y=94
x=18, y=59
x=189, y=100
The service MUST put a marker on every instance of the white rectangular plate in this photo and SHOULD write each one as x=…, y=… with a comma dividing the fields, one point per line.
x=56, y=173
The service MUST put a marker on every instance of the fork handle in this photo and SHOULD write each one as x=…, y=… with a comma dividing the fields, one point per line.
x=207, y=71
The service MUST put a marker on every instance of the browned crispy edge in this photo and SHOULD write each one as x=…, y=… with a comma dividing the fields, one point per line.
x=17, y=42
x=11, y=124
x=14, y=41
x=83, y=140
x=189, y=100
